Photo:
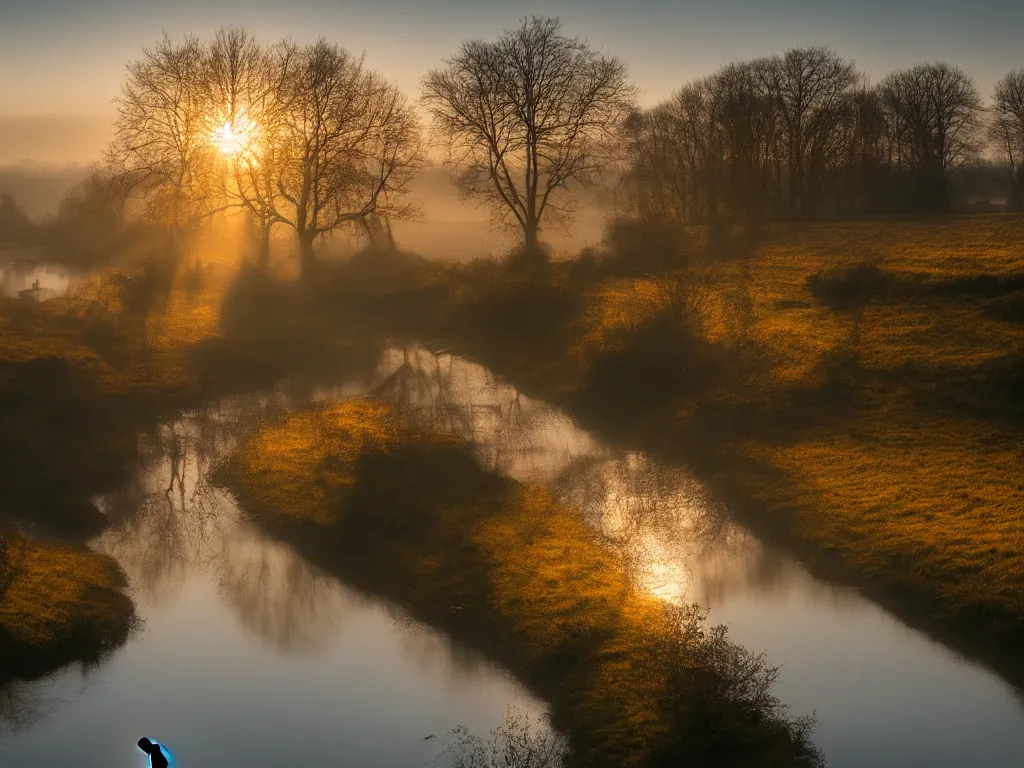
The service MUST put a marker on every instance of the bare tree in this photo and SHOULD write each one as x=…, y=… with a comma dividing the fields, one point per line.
x=161, y=134
x=348, y=145
x=526, y=116
x=1007, y=131
x=246, y=92
x=935, y=110
x=661, y=173
x=711, y=148
x=809, y=84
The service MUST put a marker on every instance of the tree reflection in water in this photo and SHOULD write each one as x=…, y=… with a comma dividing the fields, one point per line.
x=513, y=434
x=170, y=525
x=23, y=704
x=678, y=540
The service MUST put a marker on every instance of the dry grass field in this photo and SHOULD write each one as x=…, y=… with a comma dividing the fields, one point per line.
x=882, y=412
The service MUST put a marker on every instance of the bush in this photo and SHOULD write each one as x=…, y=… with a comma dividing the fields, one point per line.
x=640, y=247
x=518, y=742
x=852, y=287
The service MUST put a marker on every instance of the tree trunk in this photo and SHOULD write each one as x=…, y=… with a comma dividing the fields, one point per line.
x=531, y=244
x=307, y=258
x=263, y=249
x=1017, y=190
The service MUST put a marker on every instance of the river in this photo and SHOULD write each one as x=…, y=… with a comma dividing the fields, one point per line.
x=251, y=656
x=19, y=271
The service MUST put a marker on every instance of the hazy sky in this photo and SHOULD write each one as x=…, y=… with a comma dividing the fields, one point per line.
x=62, y=60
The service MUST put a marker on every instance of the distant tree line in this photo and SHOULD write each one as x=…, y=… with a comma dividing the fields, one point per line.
x=308, y=138
x=804, y=135
x=15, y=226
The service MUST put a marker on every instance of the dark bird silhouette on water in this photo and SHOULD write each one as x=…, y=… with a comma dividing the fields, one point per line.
x=157, y=758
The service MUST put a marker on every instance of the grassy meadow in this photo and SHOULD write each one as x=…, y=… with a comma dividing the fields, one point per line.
x=854, y=388
x=909, y=470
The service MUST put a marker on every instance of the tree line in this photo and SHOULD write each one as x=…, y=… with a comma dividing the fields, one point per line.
x=804, y=135
x=307, y=137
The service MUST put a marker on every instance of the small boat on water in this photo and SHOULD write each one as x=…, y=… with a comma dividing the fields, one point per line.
x=35, y=293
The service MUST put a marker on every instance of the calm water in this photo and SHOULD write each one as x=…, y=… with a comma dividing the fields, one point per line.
x=19, y=272
x=885, y=695
x=251, y=656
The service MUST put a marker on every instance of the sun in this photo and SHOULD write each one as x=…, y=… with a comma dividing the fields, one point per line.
x=233, y=138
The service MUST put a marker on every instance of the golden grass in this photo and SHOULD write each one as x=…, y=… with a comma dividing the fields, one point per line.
x=508, y=565
x=935, y=505
x=155, y=345
x=905, y=493
x=615, y=311
x=300, y=467
x=56, y=596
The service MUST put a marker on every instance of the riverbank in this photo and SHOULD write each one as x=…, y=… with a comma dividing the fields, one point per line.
x=850, y=390
x=58, y=604
x=82, y=377
x=511, y=572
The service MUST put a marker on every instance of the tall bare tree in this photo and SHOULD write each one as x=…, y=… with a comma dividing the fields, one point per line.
x=247, y=97
x=809, y=84
x=937, y=111
x=525, y=117
x=348, y=143
x=1007, y=131
x=161, y=134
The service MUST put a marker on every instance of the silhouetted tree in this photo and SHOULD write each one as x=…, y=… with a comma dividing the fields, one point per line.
x=934, y=111
x=810, y=85
x=349, y=145
x=162, y=132
x=245, y=89
x=1007, y=132
x=803, y=135
x=524, y=117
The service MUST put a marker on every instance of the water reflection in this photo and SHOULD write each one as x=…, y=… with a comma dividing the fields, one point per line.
x=23, y=704
x=885, y=695
x=170, y=525
x=21, y=272
x=249, y=653
x=518, y=436
x=662, y=521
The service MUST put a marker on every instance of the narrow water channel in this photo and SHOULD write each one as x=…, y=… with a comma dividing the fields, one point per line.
x=885, y=695
x=250, y=656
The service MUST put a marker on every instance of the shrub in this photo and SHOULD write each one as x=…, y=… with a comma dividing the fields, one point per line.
x=638, y=247
x=853, y=286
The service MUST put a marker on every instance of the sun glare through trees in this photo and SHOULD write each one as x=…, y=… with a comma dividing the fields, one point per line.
x=234, y=139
